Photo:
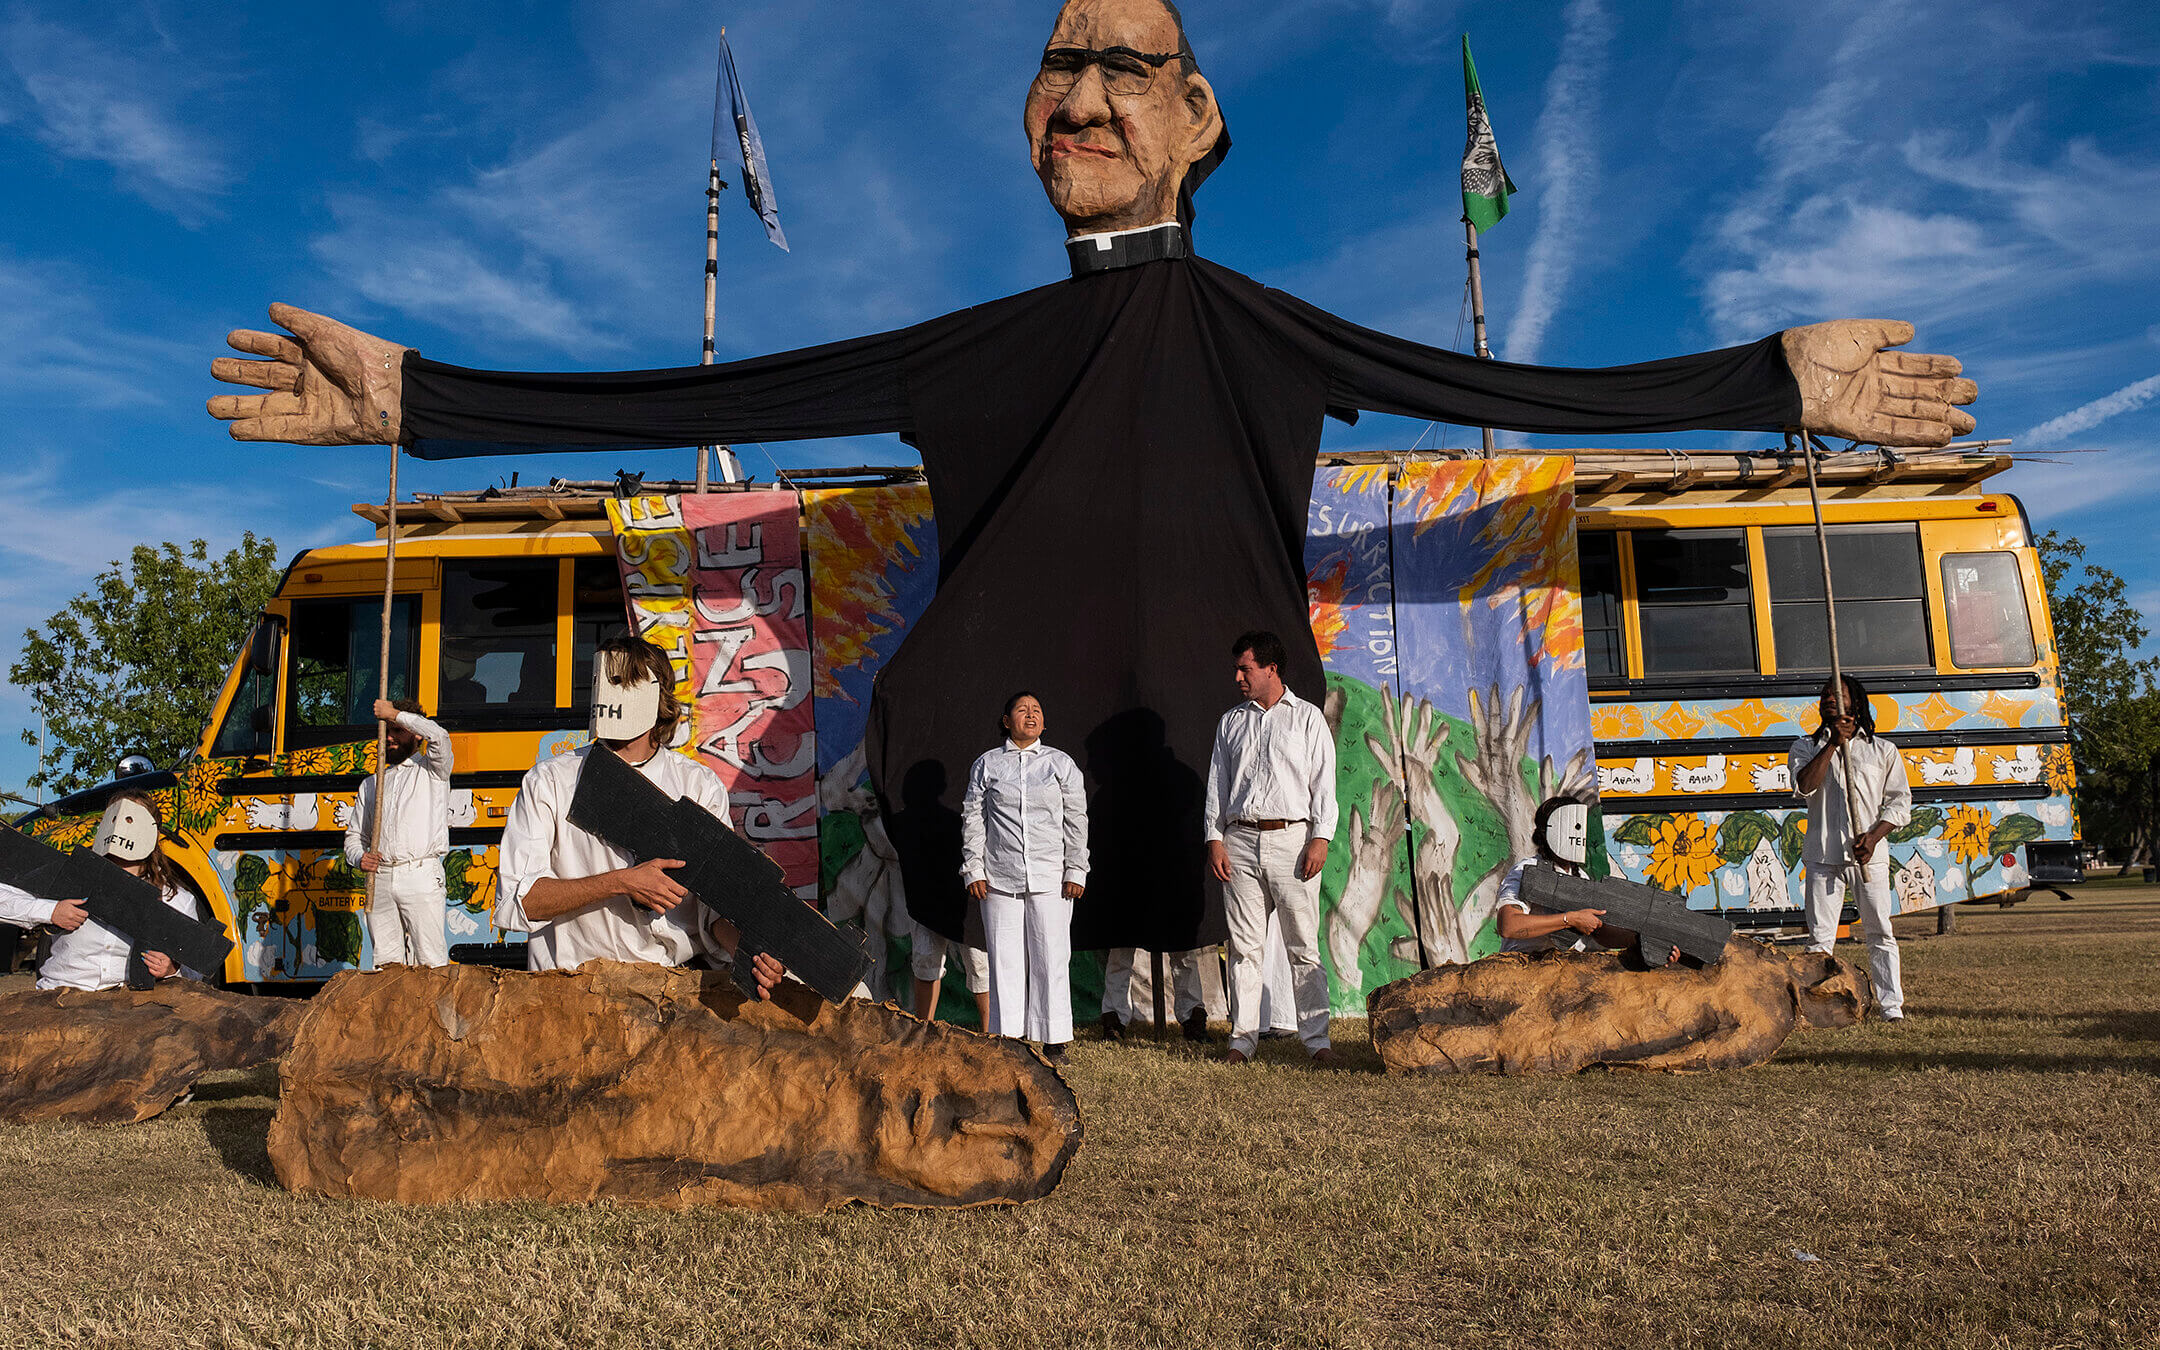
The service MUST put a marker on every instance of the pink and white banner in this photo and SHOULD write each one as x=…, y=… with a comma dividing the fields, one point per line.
x=746, y=628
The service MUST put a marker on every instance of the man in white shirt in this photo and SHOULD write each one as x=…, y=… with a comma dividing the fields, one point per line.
x=1835, y=857
x=1270, y=812
x=405, y=915
x=579, y=900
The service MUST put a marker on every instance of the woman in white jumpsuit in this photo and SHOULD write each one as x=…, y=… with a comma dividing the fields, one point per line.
x=1024, y=856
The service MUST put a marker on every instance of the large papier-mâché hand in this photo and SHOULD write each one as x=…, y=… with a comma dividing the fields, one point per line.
x=1851, y=387
x=329, y=384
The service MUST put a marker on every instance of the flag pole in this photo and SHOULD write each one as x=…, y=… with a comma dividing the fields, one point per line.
x=730, y=471
x=1477, y=309
x=712, y=283
x=382, y=676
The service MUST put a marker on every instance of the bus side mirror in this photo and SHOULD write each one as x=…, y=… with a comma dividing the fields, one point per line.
x=263, y=647
x=262, y=724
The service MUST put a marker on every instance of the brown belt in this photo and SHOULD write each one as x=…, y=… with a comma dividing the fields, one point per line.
x=1267, y=824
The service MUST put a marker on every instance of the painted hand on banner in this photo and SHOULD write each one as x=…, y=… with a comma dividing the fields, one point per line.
x=1850, y=386
x=1372, y=865
x=329, y=384
x=1416, y=734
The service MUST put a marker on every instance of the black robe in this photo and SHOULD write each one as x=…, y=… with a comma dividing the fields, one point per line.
x=1120, y=465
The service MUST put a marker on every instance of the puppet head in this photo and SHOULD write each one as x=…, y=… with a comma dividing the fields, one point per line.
x=129, y=831
x=633, y=690
x=1120, y=123
x=1562, y=830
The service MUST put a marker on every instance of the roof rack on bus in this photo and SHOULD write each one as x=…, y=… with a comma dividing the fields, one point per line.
x=1601, y=470
x=585, y=499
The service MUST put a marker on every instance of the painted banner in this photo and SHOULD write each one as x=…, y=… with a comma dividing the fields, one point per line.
x=717, y=581
x=750, y=669
x=873, y=566
x=1458, y=717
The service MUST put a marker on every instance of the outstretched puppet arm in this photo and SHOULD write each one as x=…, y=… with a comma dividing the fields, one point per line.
x=1833, y=378
x=330, y=384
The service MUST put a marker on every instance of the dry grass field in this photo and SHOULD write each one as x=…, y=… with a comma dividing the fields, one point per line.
x=1984, y=1175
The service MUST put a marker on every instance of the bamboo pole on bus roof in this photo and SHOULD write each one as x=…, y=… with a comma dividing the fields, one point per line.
x=382, y=680
x=1837, y=664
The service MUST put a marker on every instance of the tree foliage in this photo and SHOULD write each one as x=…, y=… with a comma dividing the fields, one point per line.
x=2110, y=698
x=135, y=663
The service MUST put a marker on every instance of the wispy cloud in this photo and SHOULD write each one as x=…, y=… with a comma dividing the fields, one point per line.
x=1565, y=173
x=2129, y=398
x=63, y=351
x=90, y=98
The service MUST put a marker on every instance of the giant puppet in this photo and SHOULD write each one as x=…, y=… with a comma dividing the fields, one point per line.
x=1151, y=405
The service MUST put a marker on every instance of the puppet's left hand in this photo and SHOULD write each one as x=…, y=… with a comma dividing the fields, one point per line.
x=1851, y=387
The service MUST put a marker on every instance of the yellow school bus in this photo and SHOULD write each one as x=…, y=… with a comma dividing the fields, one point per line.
x=1707, y=648
x=498, y=607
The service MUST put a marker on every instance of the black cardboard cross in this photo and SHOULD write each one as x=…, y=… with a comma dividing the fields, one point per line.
x=121, y=901
x=721, y=869
x=1660, y=918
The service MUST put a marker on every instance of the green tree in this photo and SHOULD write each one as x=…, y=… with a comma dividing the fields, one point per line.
x=135, y=663
x=2109, y=695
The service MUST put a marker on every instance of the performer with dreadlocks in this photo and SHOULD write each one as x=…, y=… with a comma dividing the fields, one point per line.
x=1839, y=861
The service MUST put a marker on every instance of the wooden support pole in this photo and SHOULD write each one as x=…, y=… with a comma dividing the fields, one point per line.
x=382, y=674
x=1477, y=310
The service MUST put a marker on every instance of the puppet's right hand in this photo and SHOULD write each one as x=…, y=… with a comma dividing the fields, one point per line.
x=329, y=384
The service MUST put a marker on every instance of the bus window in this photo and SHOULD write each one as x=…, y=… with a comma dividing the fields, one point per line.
x=1984, y=597
x=330, y=694
x=1603, y=653
x=600, y=613
x=1691, y=588
x=238, y=734
x=498, y=636
x=1881, y=605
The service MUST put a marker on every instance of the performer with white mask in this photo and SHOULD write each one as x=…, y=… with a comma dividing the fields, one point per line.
x=87, y=954
x=1561, y=833
x=579, y=900
x=1024, y=857
x=405, y=915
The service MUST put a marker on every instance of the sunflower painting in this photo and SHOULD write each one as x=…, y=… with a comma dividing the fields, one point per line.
x=1683, y=854
x=1966, y=832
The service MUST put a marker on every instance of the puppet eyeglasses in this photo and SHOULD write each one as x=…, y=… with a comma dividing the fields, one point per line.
x=1124, y=71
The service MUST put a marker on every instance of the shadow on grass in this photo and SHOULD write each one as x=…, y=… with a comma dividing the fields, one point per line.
x=241, y=1136
x=1902, y=1059
x=2111, y=1026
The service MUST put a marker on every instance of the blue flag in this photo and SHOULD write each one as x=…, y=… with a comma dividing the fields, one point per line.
x=757, y=180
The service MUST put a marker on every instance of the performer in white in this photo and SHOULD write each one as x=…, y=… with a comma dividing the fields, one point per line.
x=928, y=958
x=1834, y=856
x=1270, y=812
x=1561, y=834
x=579, y=900
x=1024, y=856
x=405, y=919
x=1188, y=996
x=87, y=954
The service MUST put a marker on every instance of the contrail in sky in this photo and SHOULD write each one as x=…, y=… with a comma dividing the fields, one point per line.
x=1565, y=175
x=2129, y=398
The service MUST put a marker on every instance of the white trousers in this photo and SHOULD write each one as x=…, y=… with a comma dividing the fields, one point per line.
x=930, y=953
x=1264, y=881
x=1825, y=900
x=406, y=920
x=1029, y=939
x=1278, y=996
x=1181, y=969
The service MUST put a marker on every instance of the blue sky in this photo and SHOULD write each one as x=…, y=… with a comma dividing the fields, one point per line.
x=522, y=185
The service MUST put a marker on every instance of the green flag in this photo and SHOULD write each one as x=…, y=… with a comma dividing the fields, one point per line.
x=1485, y=184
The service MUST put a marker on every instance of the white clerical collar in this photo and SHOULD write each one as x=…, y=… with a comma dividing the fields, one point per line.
x=1109, y=250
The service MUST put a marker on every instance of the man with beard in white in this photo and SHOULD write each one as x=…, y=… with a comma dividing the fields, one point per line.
x=579, y=900
x=405, y=915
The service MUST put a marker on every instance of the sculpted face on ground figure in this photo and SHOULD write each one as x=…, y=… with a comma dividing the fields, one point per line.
x=1117, y=116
